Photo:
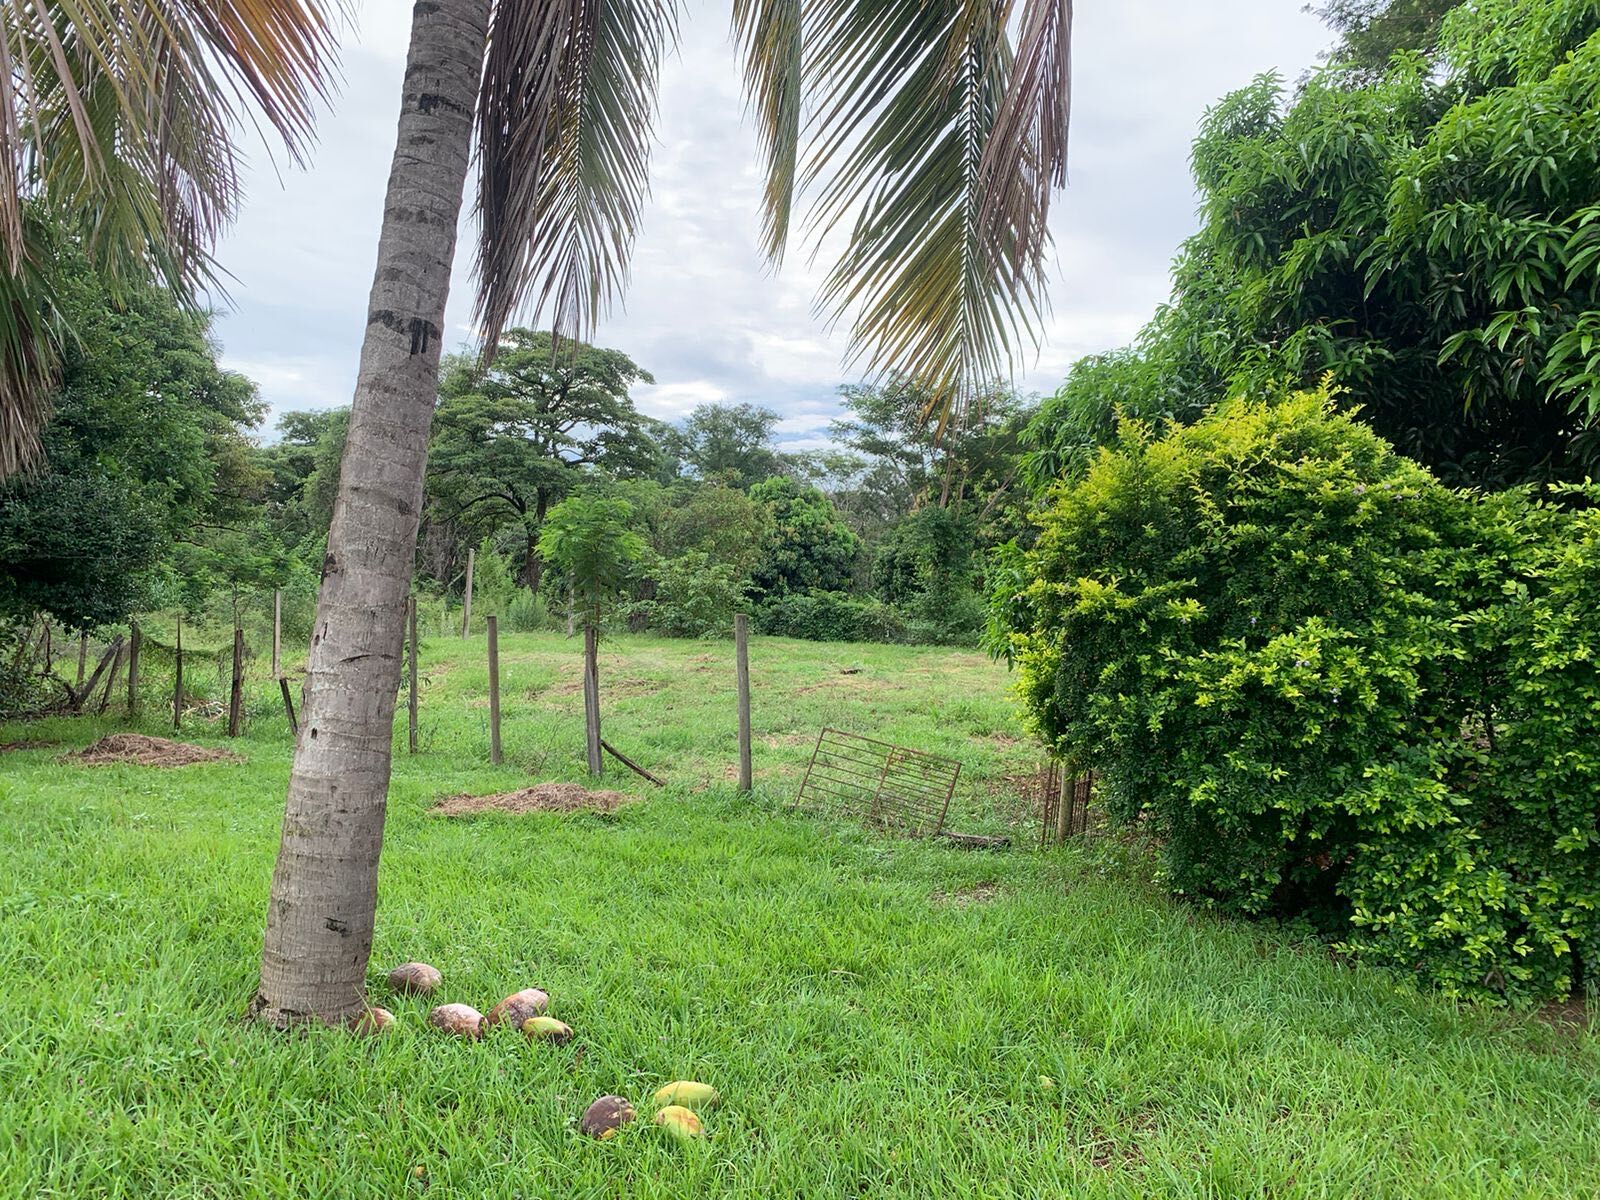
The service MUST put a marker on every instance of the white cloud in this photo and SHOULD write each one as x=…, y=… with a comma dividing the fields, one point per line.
x=704, y=312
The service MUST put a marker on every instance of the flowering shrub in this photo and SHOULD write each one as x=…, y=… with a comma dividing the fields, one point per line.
x=1335, y=688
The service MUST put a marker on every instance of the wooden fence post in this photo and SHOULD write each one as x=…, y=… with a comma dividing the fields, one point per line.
x=135, y=639
x=591, y=696
x=494, y=688
x=177, y=679
x=1064, y=805
x=741, y=657
x=236, y=692
x=277, y=631
x=466, y=606
x=411, y=699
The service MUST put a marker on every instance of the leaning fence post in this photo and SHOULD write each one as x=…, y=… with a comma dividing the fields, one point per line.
x=411, y=699
x=466, y=604
x=494, y=688
x=741, y=657
x=288, y=707
x=111, y=679
x=135, y=638
x=236, y=693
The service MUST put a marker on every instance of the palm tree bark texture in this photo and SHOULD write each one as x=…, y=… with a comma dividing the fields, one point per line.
x=320, y=916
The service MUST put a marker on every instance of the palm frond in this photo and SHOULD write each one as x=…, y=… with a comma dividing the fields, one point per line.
x=566, y=116
x=927, y=103
x=769, y=34
x=118, y=118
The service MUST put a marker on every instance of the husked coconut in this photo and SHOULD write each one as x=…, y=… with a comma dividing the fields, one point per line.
x=460, y=1019
x=414, y=979
x=370, y=1022
x=518, y=1007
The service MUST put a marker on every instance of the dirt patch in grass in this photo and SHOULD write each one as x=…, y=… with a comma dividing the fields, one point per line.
x=26, y=744
x=977, y=893
x=144, y=751
x=543, y=797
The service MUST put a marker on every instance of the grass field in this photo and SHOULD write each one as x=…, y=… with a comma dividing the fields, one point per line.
x=884, y=1018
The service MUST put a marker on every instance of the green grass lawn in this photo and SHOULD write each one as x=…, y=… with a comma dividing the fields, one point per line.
x=884, y=1018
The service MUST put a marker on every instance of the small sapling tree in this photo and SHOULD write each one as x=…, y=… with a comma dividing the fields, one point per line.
x=587, y=537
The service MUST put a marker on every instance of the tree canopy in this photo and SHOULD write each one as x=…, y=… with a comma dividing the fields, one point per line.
x=514, y=438
x=1428, y=239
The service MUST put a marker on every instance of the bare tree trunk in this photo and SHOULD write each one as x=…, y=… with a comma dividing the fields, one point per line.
x=324, y=890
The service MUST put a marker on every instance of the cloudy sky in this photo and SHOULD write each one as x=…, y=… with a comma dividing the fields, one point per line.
x=704, y=314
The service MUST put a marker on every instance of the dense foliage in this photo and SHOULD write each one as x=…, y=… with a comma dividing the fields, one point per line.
x=148, y=476
x=1427, y=236
x=1335, y=688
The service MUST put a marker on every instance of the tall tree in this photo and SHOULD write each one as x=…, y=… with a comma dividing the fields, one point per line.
x=730, y=444
x=119, y=118
x=515, y=436
x=937, y=138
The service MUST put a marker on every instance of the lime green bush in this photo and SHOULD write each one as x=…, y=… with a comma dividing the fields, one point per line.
x=1334, y=688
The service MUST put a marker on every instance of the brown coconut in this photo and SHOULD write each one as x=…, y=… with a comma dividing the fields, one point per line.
x=460, y=1019
x=414, y=979
x=605, y=1116
x=519, y=1007
x=371, y=1022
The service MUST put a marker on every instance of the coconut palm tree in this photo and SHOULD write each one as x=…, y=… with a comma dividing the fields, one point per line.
x=117, y=123
x=934, y=131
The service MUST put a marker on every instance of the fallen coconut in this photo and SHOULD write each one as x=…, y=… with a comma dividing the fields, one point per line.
x=679, y=1121
x=370, y=1022
x=414, y=978
x=605, y=1116
x=460, y=1019
x=518, y=1007
x=689, y=1094
x=547, y=1029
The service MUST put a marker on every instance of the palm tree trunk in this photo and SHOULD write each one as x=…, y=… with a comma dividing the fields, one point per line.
x=324, y=890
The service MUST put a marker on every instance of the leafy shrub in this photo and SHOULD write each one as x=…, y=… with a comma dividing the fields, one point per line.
x=924, y=566
x=528, y=612
x=1334, y=687
x=695, y=596
x=831, y=617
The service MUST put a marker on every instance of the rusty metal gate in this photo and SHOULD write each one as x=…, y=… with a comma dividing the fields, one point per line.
x=880, y=784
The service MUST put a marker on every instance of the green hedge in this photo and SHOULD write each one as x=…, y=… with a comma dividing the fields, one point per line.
x=831, y=617
x=1336, y=689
